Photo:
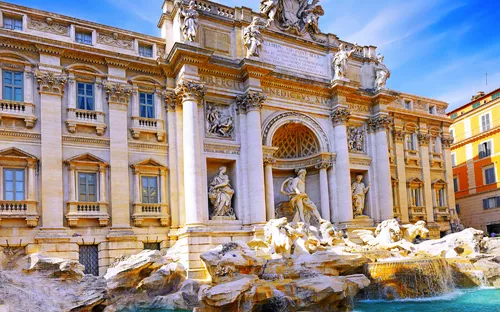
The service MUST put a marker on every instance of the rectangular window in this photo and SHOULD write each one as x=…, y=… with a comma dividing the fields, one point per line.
x=485, y=122
x=145, y=50
x=85, y=96
x=437, y=145
x=407, y=104
x=489, y=175
x=411, y=142
x=455, y=184
x=13, y=23
x=484, y=149
x=491, y=202
x=457, y=208
x=454, y=115
x=452, y=133
x=453, y=160
x=83, y=37
x=432, y=109
x=415, y=196
x=442, y=201
x=87, y=187
x=13, y=86
x=496, y=95
x=89, y=257
x=476, y=105
x=149, y=190
x=152, y=246
x=146, y=106
x=14, y=184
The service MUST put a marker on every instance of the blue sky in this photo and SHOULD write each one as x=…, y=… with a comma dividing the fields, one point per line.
x=436, y=48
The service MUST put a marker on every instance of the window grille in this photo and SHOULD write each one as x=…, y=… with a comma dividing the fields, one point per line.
x=89, y=257
x=152, y=246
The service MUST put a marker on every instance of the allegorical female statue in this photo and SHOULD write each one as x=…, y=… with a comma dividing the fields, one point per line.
x=295, y=189
x=190, y=25
x=382, y=73
x=341, y=60
x=220, y=194
x=359, y=191
x=253, y=38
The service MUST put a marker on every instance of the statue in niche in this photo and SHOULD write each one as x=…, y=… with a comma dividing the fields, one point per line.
x=295, y=16
x=359, y=191
x=295, y=189
x=217, y=123
x=253, y=38
x=190, y=25
x=356, y=139
x=382, y=73
x=220, y=194
x=341, y=60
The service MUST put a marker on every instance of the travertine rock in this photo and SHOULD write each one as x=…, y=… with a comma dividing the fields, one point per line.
x=55, y=267
x=227, y=295
x=185, y=299
x=164, y=281
x=462, y=244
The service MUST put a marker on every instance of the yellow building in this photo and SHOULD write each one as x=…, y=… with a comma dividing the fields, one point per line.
x=475, y=156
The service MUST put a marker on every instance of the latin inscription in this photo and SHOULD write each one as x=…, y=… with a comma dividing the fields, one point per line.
x=279, y=93
x=295, y=59
x=359, y=108
x=222, y=82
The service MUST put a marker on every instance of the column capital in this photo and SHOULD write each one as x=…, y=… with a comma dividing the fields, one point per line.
x=423, y=139
x=190, y=90
x=269, y=160
x=324, y=164
x=171, y=100
x=446, y=142
x=250, y=101
x=340, y=116
x=50, y=83
x=379, y=123
x=399, y=135
x=118, y=93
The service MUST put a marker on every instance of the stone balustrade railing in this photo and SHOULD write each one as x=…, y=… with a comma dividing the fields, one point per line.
x=19, y=209
x=87, y=210
x=18, y=110
x=149, y=125
x=151, y=211
x=442, y=213
x=87, y=118
x=417, y=213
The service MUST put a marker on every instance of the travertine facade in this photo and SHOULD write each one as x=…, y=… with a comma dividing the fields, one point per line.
x=115, y=137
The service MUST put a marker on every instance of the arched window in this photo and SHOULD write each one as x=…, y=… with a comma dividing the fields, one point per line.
x=295, y=141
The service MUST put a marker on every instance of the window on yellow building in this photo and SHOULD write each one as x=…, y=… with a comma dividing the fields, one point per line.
x=454, y=160
x=485, y=122
x=484, y=149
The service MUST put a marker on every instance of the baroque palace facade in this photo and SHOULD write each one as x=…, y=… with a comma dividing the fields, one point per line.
x=113, y=141
x=475, y=152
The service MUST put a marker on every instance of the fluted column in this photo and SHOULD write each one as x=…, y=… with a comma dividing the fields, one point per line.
x=51, y=88
x=379, y=125
x=323, y=186
x=399, y=137
x=268, y=169
x=251, y=102
x=171, y=106
x=119, y=99
x=423, y=142
x=340, y=117
x=191, y=95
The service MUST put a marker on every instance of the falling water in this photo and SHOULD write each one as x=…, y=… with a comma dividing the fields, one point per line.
x=409, y=279
x=466, y=275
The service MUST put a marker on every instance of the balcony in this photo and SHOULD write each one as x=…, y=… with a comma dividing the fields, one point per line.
x=436, y=158
x=18, y=110
x=85, y=118
x=417, y=213
x=412, y=156
x=148, y=125
x=151, y=211
x=22, y=209
x=442, y=214
x=84, y=210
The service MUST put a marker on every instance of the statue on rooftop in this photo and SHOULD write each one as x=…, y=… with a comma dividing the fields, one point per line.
x=294, y=16
x=382, y=73
x=190, y=24
x=341, y=60
x=252, y=37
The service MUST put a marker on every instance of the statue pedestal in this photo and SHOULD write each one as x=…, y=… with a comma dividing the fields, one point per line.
x=362, y=221
x=223, y=218
x=358, y=223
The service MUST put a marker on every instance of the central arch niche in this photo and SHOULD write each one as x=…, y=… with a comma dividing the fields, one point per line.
x=294, y=140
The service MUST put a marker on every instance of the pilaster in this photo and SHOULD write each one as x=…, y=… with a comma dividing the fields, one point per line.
x=399, y=136
x=446, y=142
x=423, y=142
x=172, y=105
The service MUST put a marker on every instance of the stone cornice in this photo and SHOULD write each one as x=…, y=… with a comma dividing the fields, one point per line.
x=190, y=90
x=50, y=83
x=250, y=101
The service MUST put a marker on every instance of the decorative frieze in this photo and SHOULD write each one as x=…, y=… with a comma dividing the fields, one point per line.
x=49, y=82
x=221, y=148
x=118, y=92
x=218, y=121
x=115, y=40
x=249, y=102
x=48, y=25
x=379, y=123
x=356, y=139
x=340, y=115
x=189, y=90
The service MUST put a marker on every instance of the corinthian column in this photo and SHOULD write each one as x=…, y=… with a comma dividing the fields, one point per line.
x=340, y=117
x=323, y=186
x=51, y=88
x=118, y=99
x=251, y=103
x=191, y=95
x=378, y=125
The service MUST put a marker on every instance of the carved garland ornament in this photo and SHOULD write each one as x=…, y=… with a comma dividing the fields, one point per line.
x=50, y=82
x=118, y=93
x=341, y=116
x=48, y=26
x=115, y=40
x=189, y=90
x=249, y=102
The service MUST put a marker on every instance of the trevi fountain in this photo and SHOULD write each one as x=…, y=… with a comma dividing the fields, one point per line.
x=333, y=202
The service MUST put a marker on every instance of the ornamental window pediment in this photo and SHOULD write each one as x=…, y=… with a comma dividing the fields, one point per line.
x=150, y=193
x=87, y=183
x=147, y=112
x=85, y=99
x=17, y=186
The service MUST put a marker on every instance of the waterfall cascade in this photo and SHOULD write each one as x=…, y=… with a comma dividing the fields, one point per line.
x=409, y=279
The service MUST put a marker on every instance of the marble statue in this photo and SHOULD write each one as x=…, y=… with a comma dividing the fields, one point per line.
x=412, y=231
x=190, y=25
x=218, y=123
x=341, y=60
x=295, y=189
x=388, y=236
x=253, y=38
x=295, y=16
x=359, y=191
x=382, y=73
x=220, y=194
x=330, y=235
x=356, y=139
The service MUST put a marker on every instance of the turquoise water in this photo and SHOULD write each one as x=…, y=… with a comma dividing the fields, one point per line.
x=465, y=300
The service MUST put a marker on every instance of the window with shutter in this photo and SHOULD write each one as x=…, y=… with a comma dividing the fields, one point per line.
x=480, y=148
x=489, y=175
x=485, y=203
x=485, y=122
